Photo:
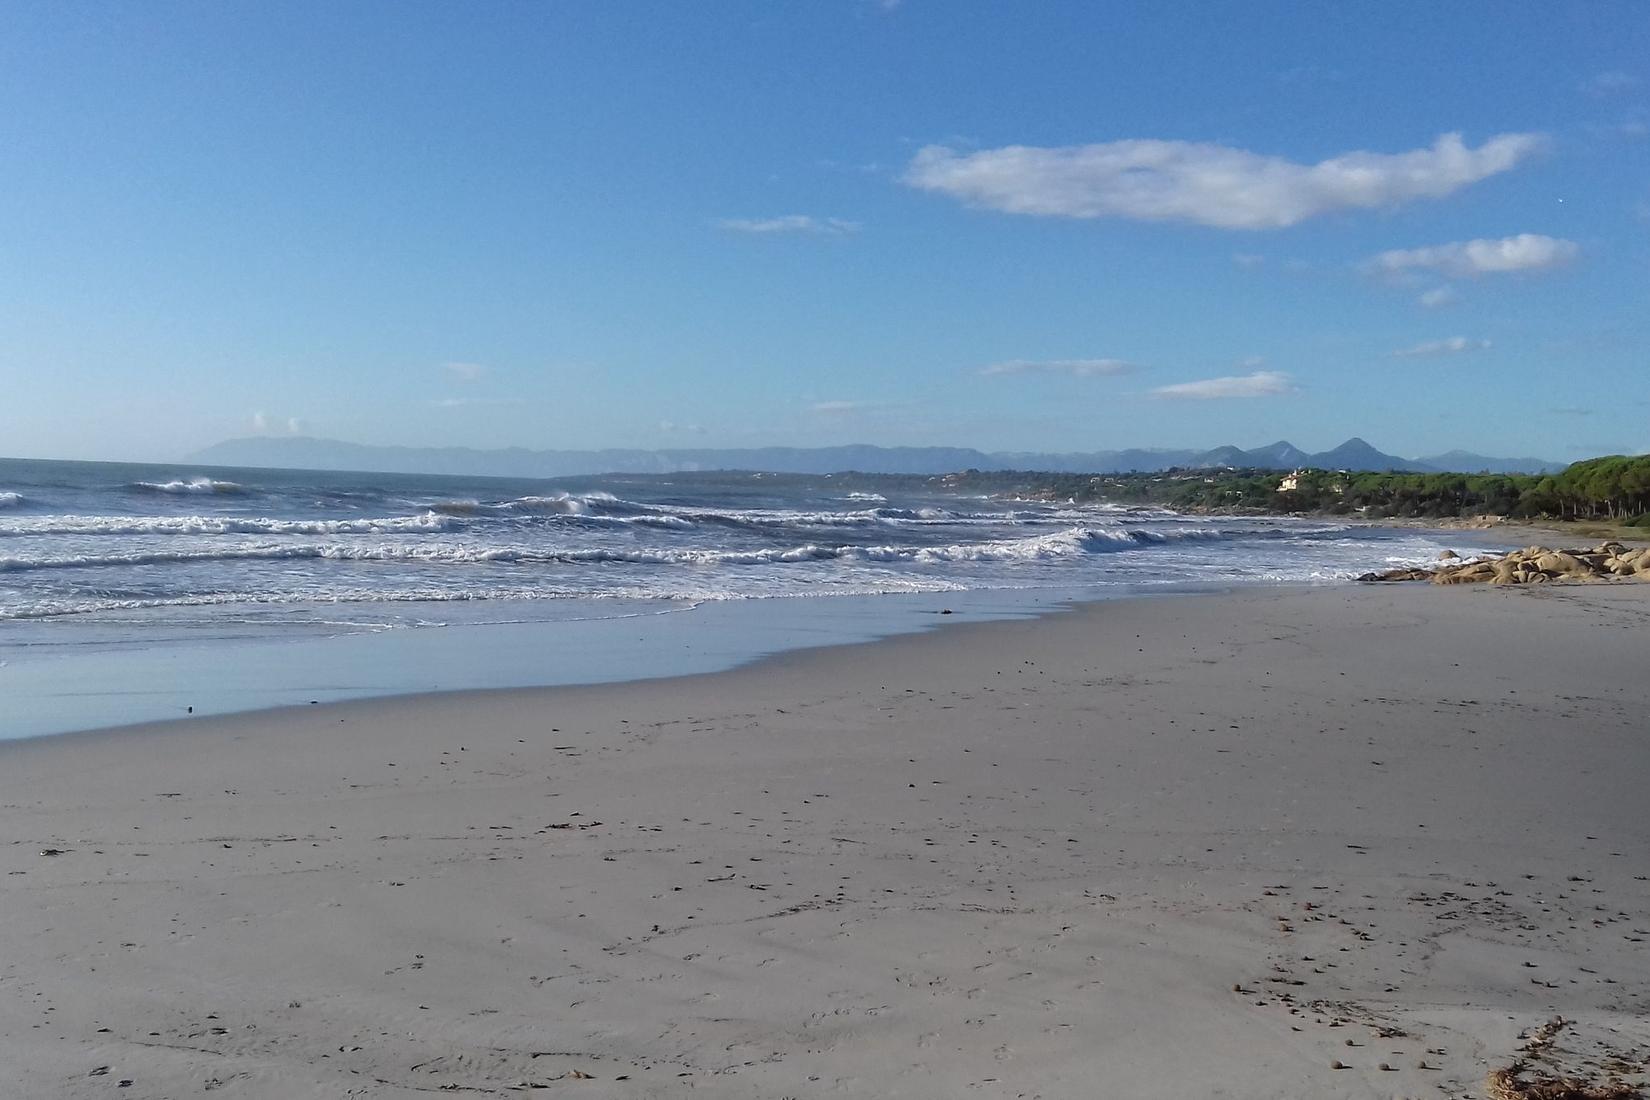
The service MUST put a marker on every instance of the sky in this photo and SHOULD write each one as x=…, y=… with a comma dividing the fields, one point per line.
x=1053, y=226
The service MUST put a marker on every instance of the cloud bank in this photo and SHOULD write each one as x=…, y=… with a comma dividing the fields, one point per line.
x=791, y=223
x=1262, y=383
x=1077, y=368
x=1205, y=183
x=1469, y=259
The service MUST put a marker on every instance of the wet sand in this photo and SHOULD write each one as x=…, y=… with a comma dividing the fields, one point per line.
x=1206, y=846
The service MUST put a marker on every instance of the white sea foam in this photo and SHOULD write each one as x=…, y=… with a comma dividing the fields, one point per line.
x=673, y=594
x=219, y=525
x=1072, y=542
x=337, y=540
x=193, y=485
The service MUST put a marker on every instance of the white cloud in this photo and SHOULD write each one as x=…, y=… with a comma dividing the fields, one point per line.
x=1439, y=297
x=840, y=408
x=791, y=223
x=1249, y=260
x=1262, y=383
x=1454, y=345
x=1078, y=368
x=471, y=402
x=264, y=424
x=1525, y=252
x=464, y=372
x=1609, y=83
x=1201, y=182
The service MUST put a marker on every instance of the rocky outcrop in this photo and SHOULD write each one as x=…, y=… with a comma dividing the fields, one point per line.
x=1531, y=565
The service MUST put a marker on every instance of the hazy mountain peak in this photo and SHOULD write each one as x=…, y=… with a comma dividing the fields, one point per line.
x=303, y=452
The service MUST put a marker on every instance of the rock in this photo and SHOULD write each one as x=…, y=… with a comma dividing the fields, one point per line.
x=1471, y=573
x=1562, y=562
x=1531, y=565
x=1404, y=574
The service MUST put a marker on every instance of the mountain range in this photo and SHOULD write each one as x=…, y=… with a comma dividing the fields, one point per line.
x=307, y=453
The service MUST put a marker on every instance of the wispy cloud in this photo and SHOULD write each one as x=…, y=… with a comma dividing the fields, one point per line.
x=264, y=424
x=842, y=408
x=1468, y=259
x=1077, y=368
x=472, y=402
x=791, y=223
x=1248, y=260
x=464, y=372
x=1453, y=345
x=1610, y=82
x=1573, y=410
x=1204, y=183
x=1439, y=297
x=1261, y=383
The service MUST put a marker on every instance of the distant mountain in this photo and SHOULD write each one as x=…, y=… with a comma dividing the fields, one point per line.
x=1281, y=455
x=1465, y=462
x=1355, y=454
x=304, y=453
x=1223, y=456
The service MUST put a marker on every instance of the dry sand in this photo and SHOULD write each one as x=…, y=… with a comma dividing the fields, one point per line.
x=1196, y=847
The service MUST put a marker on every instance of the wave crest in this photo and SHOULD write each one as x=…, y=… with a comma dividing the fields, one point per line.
x=220, y=525
x=193, y=485
x=1072, y=542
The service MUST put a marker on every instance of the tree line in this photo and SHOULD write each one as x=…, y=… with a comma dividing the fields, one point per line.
x=1614, y=487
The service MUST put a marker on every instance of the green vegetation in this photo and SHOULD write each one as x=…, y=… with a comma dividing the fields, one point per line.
x=1614, y=488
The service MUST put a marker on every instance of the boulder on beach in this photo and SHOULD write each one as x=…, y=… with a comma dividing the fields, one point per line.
x=1531, y=565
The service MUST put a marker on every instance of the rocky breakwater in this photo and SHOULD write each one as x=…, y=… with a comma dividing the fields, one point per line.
x=1531, y=565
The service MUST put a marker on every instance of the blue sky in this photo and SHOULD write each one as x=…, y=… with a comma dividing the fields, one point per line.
x=1060, y=226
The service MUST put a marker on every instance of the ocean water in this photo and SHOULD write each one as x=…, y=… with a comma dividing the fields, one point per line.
x=124, y=559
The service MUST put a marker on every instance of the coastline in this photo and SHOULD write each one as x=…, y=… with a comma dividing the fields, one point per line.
x=1003, y=859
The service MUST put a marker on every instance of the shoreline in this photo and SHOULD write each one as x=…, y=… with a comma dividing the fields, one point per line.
x=751, y=632
x=777, y=659
x=66, y=674
x=1138, y=841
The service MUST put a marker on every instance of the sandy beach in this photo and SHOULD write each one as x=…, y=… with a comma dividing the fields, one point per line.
x=1348, y=841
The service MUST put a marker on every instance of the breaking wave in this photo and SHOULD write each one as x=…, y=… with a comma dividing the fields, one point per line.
x=220, y=525
x=1073, y=542
x=193, y=485
x=11, y=500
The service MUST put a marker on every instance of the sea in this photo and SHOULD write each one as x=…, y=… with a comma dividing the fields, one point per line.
x=130, y=593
